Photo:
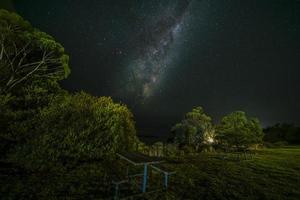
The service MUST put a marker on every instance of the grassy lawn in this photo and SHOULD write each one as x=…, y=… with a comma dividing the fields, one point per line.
x=268, y=174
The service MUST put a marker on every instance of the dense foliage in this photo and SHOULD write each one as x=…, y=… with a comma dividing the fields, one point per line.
x=27, y=54
x=18, y=110
x=195, y=129
x=31, y=63
x=51, y=140
x=282, y=133
x=77, y=128
x=236, y=130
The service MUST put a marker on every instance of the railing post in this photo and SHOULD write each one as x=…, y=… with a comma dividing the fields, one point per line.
x=166, y=180
x=145, y=178
x=116, y=192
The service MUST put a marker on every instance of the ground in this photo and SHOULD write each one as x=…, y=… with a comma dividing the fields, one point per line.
x=268, y=174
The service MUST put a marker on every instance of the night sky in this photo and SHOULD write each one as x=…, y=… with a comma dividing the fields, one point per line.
x=163, y=57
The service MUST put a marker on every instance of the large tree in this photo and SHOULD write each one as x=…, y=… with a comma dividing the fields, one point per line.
x=46, y=134
x=239, y=131
x=28, y=54
x=31, y=64
x=196, y=128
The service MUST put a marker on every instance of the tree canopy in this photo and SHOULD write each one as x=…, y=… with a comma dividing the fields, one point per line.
x=194, y=129
x=27, y=54
x=239, y=131
x=31, y=64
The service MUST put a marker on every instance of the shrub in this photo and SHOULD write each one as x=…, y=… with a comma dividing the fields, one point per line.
x=77, y=128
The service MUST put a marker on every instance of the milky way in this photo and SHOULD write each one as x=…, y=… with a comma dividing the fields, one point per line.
x=154, y=46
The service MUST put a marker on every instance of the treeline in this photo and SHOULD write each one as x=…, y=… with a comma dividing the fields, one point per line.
x=288, y=133
x=235, y=132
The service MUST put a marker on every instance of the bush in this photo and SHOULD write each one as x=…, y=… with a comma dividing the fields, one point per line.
x=76, y=128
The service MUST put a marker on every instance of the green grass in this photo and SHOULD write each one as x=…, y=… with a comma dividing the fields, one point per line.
x=268, y=174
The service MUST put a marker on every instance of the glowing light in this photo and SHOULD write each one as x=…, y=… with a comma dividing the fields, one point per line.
x=210, y=140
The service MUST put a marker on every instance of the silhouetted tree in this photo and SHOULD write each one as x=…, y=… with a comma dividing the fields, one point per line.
x=282, y=132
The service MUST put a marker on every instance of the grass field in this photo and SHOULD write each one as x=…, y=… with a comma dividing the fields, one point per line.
x=268, y=174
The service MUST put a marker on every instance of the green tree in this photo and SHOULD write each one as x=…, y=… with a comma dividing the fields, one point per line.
x=31, y=63
x=27, y=54
x=77, y=128
x=46, y=132
x=195, y=129
x=236, y=130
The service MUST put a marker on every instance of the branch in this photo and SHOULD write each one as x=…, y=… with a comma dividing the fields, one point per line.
x=9, y=60
x=26, y=76
x=17, y=53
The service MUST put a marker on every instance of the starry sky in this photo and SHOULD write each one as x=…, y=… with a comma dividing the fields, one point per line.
x=164, y=57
